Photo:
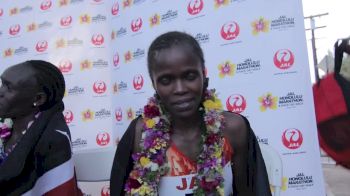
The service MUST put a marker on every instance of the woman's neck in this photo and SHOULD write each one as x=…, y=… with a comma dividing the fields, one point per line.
x=20, y=124
x=186, y=125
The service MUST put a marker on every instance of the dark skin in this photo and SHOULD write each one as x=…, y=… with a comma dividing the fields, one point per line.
x=18, y=92
x=178, y=79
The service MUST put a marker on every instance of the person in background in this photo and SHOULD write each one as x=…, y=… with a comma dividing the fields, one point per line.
x=35, y=148
x=184, y=143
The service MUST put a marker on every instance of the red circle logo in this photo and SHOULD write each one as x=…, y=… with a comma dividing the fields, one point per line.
x=236, y=103
x=115, y=9
x=68, y=116
x=195, y=6
x=229, y=30
x=118, y=114
x=45, y=5
x=292, y=138
x=97, y=39
x=116, y=60
x=105, y=191
x=65, y=66
x=66, y=21
x=41, y=46
x=1, y=12
x=14, y=29
x=99, y=87
x=102, y=138
x=283, y=59
x=138, y=82
x=136, y=24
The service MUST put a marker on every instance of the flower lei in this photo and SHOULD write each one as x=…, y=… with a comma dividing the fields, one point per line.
x=150, y=163
x=5, y=131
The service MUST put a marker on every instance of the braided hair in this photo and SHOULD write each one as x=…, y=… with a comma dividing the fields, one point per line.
x=50, y=80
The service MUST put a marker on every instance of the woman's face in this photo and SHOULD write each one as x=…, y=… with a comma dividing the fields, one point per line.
x=177, y=77
x=17, y=92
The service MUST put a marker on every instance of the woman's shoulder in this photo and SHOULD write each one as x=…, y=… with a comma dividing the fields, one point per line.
x=236, y=129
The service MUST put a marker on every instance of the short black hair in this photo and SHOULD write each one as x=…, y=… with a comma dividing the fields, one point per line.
x=168, y=40
x=50, y=80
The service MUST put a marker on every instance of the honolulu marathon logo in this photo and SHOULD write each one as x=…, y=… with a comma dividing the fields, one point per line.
x=202, y=37
x=103, y=114
x=270, y=102
x=120, y=87
x=282, y=23
x=137, y=54
x=157, y=19
x=236, y=103
x=76, y=90
x=300, y=181
x=248, y=66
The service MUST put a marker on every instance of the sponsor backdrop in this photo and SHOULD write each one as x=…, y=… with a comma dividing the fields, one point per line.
x=255, y=55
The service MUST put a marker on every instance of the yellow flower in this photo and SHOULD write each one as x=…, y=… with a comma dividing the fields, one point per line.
x=144, y=161
x=150, y=123
x=145, y=190
x=213, y=105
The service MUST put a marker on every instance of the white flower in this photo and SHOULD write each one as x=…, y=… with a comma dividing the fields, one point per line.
x=8, y=122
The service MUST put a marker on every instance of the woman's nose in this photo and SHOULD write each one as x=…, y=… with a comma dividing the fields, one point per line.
x=179, y=88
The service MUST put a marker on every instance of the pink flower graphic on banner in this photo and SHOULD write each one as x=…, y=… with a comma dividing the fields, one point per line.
x=87, y=115
x=127, y=3
x=86, y=64
x=84, y=19
x=31, y=27
x=226, y=69
x=60, y=43
x=219, y=3
x=260, y=25
x=154, y=20
x=130, y=114
x=8, y=52
x=13, y=11
x=127, y=57
x=267, y=101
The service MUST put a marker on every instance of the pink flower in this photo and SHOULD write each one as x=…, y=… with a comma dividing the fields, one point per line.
x=151, y=111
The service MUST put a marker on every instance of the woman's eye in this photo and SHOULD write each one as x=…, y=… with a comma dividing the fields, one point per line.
x=191, y=76
x=165, y=80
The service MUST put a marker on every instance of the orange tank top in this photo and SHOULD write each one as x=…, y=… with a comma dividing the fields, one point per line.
x=180, y=165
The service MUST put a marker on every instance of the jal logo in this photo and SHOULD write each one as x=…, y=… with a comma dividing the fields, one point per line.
x=115, y=9
x=118, y=114
x=105, y=191
x=229, y=30
x=68, y=116
x=65, y=66
x=186, y=183
x=283, y=59
x=292, y=138
x=116, y=60
x=102, y=139
x=14, y=29
x=138, y=82
x=66, y=21
x=236, y=103
x=195, y=6
x=45, y=5
x=99, y=87
x=97, y=39
x=41, y=46
x=136, y=24
x=1, y=12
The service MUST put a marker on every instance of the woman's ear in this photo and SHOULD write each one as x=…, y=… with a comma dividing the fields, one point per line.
x=40, y=99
